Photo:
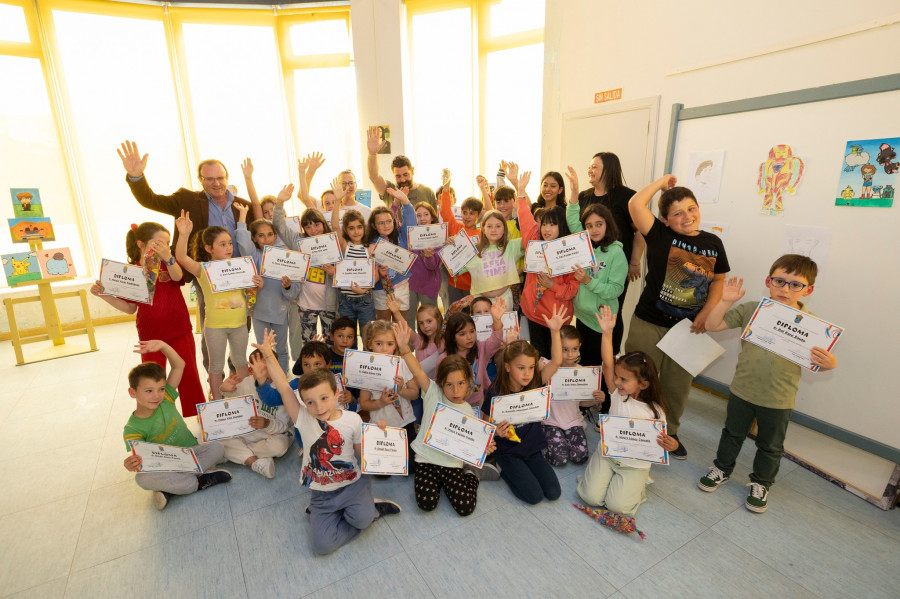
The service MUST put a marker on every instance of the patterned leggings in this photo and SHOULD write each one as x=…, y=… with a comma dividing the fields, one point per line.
x=461, y=487
x=565, y=445
x=308, y=320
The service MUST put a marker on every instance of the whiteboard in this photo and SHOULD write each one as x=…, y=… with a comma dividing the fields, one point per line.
x=858, y=283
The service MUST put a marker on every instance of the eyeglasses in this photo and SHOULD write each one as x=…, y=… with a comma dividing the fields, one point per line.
x=792, y=285
x=214, y=179
x=346, y=184
x=383, y=223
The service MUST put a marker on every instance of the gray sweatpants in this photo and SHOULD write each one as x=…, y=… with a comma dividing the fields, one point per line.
x=183, y=483
x=337, y=517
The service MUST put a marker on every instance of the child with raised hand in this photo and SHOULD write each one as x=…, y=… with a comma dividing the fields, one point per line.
x=764, y=387
x=156, y=420
x=306, y=169
x=619, y=484
x=383, y=226
x=686, y=270
x=167, y=317
x=356, y=303
x=471, y=209
x=272, y=435
x=542, y=293
x=341, y=503
x=603, y=284
x=494, y=269
x=564, y=428
x=460, y=340
x=275, y=297
x=266, y=203
x=522, y=464
x=425, y=274
x=394, y=408
x=318, y=299
x=226, y=311
x=436, y=470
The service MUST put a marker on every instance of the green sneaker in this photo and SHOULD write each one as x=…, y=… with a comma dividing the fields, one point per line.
x=758, y=499
x=713, y=480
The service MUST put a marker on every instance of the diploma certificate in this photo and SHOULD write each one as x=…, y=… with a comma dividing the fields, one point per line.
x=459, y=435
x=126, y=281
x=359, y=271
x=322, y=249
x=393, y=256
x=230, y=274
x=226, y=418
x=165, y=458
x=426, y=236
x=279, y=262
x=519, y=408
x=635, y=438
x=790, y=333
x=534, y=258
x=484, y=324
x=564, y=254
x=367, y=370
x=384, y=451
x=579, y=383
x=456, y=255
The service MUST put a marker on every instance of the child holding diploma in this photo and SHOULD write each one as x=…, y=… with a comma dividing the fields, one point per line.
x=460, y=339
x=522, y=464
x=764, y=387
x=458, y=286
x=436, y=470
x=425, y=274
x=275, y=297
x=167, y=317
x=564, y=428
x=383, y=226
x=355, y=303
x=603, y=284
x=619, y=484
x=541, y=293
x=156, y=420
x=685, y=274
x=394, y=408
x=226, y=311
x=494, y=269
x=341, y=503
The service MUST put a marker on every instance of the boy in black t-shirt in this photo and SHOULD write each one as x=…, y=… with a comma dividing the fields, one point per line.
x=686, y=271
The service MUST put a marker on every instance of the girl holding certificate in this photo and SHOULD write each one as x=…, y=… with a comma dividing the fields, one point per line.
x=275, y=297
x=541, y=294
x=383, y=226
x=619, y=484
x=494, y=269
x=603, y=284
x=167, y=318
x=355, y=303
x=436, y=470
x=522, y=465
x=226, y=311
x=425, y=274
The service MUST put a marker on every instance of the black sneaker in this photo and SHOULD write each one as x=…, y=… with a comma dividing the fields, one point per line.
x=680, y=453
x=213, y=478
x=386, y=508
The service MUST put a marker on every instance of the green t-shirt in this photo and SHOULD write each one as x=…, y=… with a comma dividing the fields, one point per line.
x=164, y=426
x=761, y=377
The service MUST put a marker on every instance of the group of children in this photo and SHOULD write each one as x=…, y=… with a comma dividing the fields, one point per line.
x=446, y=361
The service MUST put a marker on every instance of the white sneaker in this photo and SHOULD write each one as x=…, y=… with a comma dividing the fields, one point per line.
x=264, y=466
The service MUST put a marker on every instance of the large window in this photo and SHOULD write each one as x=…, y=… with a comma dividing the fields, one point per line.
x=477, y=87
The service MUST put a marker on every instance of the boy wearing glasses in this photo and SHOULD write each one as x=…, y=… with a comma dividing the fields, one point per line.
x=765, y=385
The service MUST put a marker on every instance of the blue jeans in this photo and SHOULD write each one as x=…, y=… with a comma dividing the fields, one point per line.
x=360, y=308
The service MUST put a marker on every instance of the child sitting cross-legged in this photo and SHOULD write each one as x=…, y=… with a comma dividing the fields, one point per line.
x=272, y=436
x=156, y=420
x=341, y=502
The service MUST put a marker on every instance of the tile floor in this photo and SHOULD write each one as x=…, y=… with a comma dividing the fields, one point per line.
x=74, y=524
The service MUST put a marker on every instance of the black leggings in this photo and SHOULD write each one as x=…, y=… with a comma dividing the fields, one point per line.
x=461, y=487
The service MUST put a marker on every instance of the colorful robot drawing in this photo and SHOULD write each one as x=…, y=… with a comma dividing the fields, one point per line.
x=781, y=172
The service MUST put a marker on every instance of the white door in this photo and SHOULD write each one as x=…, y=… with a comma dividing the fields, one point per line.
x=627, y=130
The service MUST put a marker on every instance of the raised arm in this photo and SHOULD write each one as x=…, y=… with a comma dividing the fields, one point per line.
x=527, y=225
x=732, y=292
x=639, y=204
x=572, y=176
x=555, y=323
x=336, y=212
x=176, y=363
x=134, y=165
x=290, y=237
x=247, y=170
x=637, y=252
x=607, y=321
x=446, y=212
x=406, y=209
x=242, y=234
x=279, y=381
x=372, y=145
x=402, y=333
x=303, y=193
x=185, y=226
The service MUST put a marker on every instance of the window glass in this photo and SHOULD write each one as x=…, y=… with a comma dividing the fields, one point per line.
x=320, y=37
x=12, y=24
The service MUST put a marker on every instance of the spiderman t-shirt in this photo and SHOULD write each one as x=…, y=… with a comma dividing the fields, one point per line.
x=329, y=461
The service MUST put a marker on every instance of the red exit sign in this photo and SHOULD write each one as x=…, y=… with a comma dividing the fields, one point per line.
x=608, y=96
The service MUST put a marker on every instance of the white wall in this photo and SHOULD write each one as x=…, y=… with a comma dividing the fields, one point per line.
x=698, y=53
